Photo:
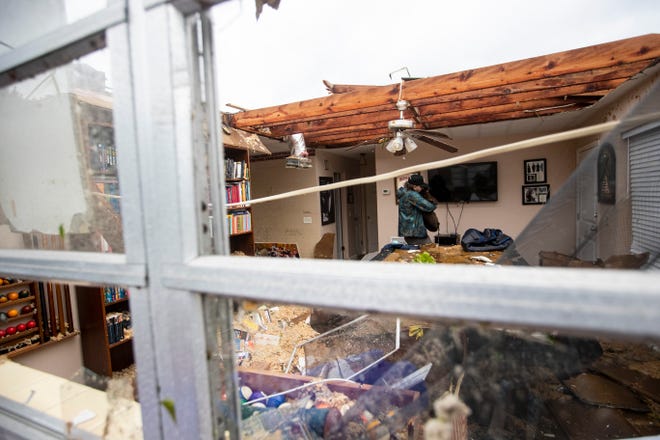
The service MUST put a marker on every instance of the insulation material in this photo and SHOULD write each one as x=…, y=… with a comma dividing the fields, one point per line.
x=299, y=155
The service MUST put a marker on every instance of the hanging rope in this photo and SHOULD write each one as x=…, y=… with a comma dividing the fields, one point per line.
x=506, y=148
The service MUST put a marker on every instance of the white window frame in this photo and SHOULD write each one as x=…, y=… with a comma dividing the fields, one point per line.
x=166, y=271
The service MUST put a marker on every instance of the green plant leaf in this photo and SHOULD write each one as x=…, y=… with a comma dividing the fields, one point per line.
x=169, y=406
x=424, y=257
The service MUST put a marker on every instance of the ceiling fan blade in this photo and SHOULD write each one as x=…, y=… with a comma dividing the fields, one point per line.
x=363, y=143
x=436, y=143
x=431, y=133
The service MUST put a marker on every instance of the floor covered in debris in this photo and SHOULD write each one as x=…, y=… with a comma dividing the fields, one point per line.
x=515, y=384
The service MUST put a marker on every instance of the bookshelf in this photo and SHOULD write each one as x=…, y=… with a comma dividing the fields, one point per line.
x=20, y=315
x=238, y=190
x=105, y=330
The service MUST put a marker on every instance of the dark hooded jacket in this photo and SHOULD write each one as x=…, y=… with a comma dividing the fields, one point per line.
x=411, y=205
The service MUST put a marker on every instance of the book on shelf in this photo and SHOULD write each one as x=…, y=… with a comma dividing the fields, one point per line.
x=239, y=222
x=236, y=169
x=114, y=293
x=116, y=323
x=238, y=191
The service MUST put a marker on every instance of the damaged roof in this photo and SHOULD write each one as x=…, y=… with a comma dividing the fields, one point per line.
x=540, y=86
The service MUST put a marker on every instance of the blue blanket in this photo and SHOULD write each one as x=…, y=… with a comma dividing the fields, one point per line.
x=490, y=239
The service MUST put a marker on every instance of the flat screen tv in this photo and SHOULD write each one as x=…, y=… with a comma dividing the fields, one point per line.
x=469, y=182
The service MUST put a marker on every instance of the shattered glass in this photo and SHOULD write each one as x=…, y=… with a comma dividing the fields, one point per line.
x=465, y=381
x=58, y=135
x=614, y=198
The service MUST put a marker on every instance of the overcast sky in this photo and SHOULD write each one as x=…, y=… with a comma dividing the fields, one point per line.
x=284, y=55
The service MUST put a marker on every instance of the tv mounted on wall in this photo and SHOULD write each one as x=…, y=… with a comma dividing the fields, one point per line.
x=469, y=182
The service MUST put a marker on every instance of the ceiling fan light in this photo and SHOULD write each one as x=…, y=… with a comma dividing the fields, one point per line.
x=410, y=144
x=396, y=144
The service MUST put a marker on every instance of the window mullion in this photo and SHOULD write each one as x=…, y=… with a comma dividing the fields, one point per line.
x=612, y=302
x=60, y=46
x=164, y=79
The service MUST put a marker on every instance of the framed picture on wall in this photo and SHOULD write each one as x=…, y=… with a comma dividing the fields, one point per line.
x=535, y=194
x=535, y=171
x=606, y=174
x=327, y=203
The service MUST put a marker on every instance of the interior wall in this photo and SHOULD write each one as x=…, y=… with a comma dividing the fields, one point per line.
x=330, y=163
x=66, y=353
x=63, y=359
x=507, y=213
x=292, y=220
x=298, y=219
x=8, y=238
x=615, y=229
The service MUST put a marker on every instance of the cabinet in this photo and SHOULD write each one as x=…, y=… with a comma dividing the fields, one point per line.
x=20, y=315
x=105, y=328
x=237, y=188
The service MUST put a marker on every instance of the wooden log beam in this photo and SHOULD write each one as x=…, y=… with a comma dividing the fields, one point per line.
x=454, y=119
x=588, y=82
x=523, y=109
x=644, y=48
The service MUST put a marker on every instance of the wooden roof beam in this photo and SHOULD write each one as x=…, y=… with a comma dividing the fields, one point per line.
x=592, y=81
x=428, y=112
x=608, y=54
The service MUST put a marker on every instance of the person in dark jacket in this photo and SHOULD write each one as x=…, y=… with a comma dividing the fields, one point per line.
x=411, y=206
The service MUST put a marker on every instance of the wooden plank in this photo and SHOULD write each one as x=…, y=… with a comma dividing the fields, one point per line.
x=372, y=126
x=67, y=306
x=598, y=390
x=519, y=111
x=435, y=115
x=60, y=308
x=645, y=385
x=51, y=310
x=271, y=382
x=45, y=330
x=613, y=54
x=93, y=330
x=31, y=347
x=573, y=84
x=38, y=304
x=580, y=421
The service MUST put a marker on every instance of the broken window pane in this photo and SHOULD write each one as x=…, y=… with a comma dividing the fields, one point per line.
x=58, y=166
x=27, y=21
x=479, y=382
x=92, y=387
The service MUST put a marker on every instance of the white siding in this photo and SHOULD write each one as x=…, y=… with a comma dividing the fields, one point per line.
x=645, y=193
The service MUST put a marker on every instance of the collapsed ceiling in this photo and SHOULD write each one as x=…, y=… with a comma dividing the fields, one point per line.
x=540, y=86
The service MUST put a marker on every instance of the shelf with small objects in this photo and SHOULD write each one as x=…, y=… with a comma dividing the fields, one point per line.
x=238, y=191
x=238, y=146
x=19, y=315
x=105, y=328
x=33, y=314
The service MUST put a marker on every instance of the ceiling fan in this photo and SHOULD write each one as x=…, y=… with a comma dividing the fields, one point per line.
x=406, y=136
